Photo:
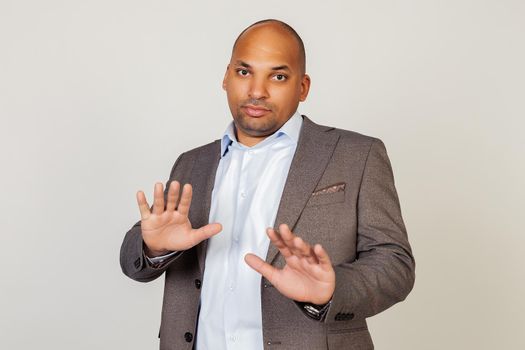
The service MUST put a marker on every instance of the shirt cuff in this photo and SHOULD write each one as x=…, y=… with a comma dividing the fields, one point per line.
x=158, y=261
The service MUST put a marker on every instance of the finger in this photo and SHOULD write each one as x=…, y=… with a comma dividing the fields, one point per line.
x=312, y=258
x=200, y=234
x=323, y=257
x=185, y=200
x=277, y=241
x=286, y=235
x=301, y=246
x=143, y=205
x=306, y=250
x=309, y=267
x=173, y=196
x=158, y=199
x=268, y=271
x=288, y=239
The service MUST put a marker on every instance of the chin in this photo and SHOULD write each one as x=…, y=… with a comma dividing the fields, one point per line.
x=256, y=126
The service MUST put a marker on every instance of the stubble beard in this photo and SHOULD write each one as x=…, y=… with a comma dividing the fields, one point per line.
x=257, y=127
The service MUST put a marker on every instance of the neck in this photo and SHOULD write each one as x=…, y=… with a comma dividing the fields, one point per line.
x=249, y=141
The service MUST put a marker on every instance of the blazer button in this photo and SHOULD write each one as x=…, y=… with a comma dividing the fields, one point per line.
x=188, y=337
x=137, y=263
x=198, y=283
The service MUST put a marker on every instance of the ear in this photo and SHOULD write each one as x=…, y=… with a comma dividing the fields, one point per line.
x=305, y=87
x=225, y=78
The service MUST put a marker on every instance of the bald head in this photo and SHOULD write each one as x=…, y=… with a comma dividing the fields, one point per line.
x=265, y=79
x=283, y=29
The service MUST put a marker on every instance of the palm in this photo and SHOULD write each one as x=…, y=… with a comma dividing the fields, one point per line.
x=171, y=230
x=168, y=228
x=302, y=281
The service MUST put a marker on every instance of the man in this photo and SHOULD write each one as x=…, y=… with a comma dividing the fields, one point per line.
x=335, y=250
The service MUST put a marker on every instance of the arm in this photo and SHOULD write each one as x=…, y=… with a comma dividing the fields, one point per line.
x=384, y=271
x=133, y=261
x=164, y=228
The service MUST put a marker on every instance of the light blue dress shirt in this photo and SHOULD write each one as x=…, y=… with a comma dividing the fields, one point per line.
x=245, y=198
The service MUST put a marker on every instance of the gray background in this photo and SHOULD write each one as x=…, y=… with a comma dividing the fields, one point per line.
x=97, y=99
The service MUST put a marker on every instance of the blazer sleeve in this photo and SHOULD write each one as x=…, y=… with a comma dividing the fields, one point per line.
x=384, y=270
x=133, y=262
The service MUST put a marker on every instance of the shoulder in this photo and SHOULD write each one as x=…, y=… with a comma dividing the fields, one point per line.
x=209, y=148
x=346, y=138
x=351, y=147
x=205, y=154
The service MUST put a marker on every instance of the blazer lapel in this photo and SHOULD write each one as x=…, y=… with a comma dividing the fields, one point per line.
x=203, y=179
x=314, y=149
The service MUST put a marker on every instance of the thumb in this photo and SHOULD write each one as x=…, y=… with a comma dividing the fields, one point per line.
x=205, y=232
x=261, y=266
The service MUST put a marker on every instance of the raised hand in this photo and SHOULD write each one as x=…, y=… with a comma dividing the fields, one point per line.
x=308, y=275
x=165, y=230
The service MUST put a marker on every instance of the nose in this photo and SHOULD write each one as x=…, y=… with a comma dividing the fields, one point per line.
x=258, y=89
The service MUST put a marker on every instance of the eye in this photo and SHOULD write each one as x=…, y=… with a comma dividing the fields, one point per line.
x=280, y=77
x=243, y=72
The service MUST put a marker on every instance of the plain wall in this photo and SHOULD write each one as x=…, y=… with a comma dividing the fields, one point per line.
x=98, y=98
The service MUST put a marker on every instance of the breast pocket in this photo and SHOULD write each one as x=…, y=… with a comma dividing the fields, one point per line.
x=325, y=197
x=330, y=219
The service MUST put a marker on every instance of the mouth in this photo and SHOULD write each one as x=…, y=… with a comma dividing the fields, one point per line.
x=255, y=111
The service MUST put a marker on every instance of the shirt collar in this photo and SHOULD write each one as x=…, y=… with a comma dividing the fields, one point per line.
x=291, y=129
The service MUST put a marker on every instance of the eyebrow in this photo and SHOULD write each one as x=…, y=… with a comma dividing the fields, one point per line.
x=246, y=65
x=283, y=67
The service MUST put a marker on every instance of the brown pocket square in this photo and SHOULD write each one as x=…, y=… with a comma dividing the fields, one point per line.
x=339, y=187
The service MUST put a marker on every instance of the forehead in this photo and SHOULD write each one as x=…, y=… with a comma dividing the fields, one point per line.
x=267, y=45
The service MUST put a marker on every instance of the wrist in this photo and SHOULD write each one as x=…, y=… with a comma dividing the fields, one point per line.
x=152, y=253
x=315, y=311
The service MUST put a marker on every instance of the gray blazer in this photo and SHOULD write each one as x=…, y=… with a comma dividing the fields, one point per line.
x=339, y=192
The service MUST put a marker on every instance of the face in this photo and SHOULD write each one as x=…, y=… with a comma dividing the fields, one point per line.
x=264, y=82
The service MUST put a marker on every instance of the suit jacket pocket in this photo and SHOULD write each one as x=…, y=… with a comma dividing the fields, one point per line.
x=323, y=198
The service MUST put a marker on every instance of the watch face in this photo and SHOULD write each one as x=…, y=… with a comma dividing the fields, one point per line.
x=316, y=312
x=311, y=308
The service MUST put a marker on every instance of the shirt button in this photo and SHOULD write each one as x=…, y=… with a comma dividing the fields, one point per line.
x=232, y=338
x=243, y=195
x=250, y=152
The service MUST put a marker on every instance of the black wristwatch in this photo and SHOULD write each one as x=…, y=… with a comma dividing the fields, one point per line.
x=317, y=312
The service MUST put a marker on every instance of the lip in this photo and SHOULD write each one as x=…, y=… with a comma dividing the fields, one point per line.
x=255, y=111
